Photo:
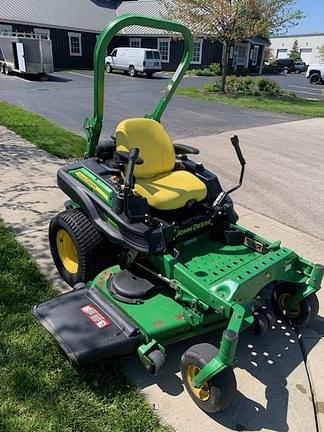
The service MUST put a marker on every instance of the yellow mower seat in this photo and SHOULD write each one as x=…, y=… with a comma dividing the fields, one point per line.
x=156, y=181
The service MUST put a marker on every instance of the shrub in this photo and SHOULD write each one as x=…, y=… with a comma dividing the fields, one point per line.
x=246, y=86
x=212, y=88
x=213, y=69
x=268, y=86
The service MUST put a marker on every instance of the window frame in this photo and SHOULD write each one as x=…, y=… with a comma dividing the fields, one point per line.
x=239, y=48
x=200, y=41
x=40, y=31
x=255, y=55
x=159, y=40
x=5, y=29
x=136, y=40
x=75, y=35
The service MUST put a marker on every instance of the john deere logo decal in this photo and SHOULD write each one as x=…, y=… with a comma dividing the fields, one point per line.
x=192, y=228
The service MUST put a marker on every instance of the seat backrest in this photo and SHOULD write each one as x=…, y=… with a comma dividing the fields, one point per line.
x=154, y=143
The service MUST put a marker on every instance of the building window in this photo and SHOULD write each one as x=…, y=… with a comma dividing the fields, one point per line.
x=42, y=33
x=135, y=42
x=241, y=54
x=164, y=48
x=231, y=52
x=75, y=44
x=255, y=55
x=197, y=52
x=5, y=29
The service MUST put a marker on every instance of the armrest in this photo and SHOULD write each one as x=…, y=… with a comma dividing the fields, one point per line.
x=123, y=157
x=184, y=149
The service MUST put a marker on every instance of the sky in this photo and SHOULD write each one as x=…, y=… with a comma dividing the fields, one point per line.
x=314, y=21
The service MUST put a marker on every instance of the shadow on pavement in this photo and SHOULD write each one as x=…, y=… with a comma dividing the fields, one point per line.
x=268, y=360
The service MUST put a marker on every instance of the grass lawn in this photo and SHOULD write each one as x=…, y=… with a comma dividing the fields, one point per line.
x=41, y=132
x=39, y=390
x=296, y=106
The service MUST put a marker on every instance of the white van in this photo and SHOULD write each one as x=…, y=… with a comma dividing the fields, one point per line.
x=134, y=60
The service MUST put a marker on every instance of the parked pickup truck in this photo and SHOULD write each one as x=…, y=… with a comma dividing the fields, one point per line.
x=315, y=73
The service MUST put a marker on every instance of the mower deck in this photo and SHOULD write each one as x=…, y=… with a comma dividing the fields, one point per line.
x=87, y=327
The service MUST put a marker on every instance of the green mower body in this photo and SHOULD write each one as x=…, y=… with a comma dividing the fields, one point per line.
x=144, y=278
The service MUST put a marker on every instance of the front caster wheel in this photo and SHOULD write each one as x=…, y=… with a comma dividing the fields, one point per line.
x=262, y=321
x=214, y=395
x=301, y=314
x=158, y=361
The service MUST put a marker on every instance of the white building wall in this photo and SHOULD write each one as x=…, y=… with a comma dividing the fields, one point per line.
x=281, y=46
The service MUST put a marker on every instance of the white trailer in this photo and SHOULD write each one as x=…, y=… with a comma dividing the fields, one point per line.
x=25, y=53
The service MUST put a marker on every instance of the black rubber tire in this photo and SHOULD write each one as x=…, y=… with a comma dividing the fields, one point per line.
x=5, y=69
x=297, y=71
x=149, y=74
x=308, y=308
x=132, y=71
x=315, y=78
x=286, y=71
x=222, y=387
x=108, y=67
x=261, y=323
x=158, y=359
x=94, y=253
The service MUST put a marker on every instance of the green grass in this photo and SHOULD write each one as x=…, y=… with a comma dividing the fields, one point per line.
x=41, y=132
x=39, y=390
x=296, y=106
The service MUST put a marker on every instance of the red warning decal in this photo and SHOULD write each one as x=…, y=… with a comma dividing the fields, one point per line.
x=94, y=316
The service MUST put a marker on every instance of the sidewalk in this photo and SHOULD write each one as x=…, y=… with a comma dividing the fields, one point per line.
x=273, y=386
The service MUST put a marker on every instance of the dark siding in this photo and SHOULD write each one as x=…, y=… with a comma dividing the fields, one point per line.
x=211, y=51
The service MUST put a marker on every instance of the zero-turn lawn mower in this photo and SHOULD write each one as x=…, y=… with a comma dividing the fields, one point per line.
x=150, y=244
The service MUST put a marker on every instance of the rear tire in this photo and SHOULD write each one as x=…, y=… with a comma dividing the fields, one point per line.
x=149, y=74
x=132, y=71
x=79, y=251
x=314, y=78
x=5, y=69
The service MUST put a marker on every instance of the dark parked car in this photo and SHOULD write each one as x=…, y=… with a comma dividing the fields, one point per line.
x=288, y=66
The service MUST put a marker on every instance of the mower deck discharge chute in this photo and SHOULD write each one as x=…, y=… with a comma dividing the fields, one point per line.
x=150, y=243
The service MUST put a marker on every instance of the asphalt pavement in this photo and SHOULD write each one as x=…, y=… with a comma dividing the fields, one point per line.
x=67, y=99
x=298, y=84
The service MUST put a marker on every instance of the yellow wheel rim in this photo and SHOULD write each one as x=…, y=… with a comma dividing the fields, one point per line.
x=202, y=393
x=67, y=251
x=283, y=300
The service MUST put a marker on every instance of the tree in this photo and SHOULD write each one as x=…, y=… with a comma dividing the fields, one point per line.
x=231, y=21
x=321, y=52
x=295, y=53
